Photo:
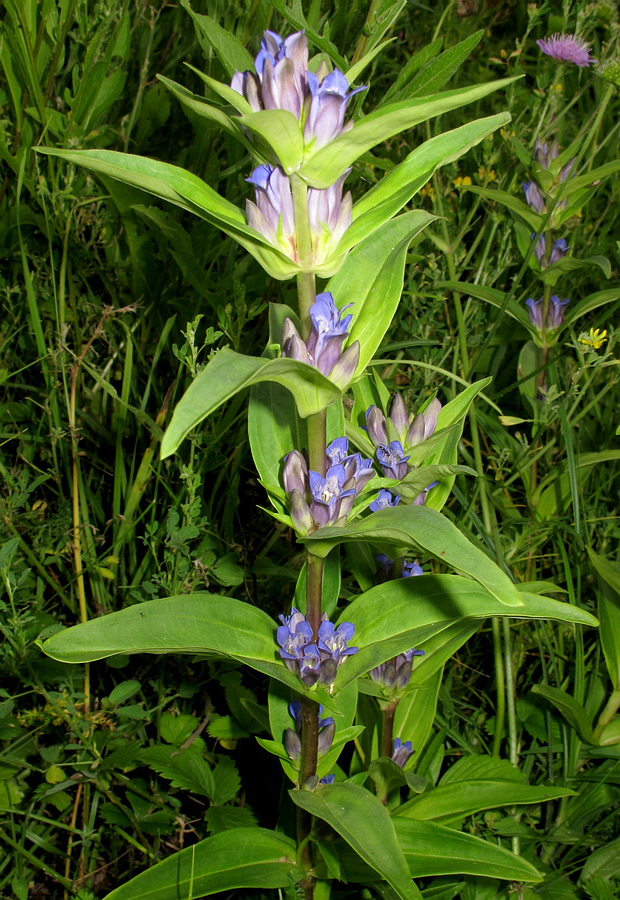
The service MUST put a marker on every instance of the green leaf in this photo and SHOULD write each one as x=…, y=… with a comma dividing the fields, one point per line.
x=224, y=818
x=184, y=768
x=417, y=480
x=413, y=65
x=427, y=606
x=226, y=781
x=227, y=373
x=432, y=849
x=454, y=802
x=229, y=49
x=590, y=303
x=124, y=691
x=236, y=858
x=415, y=714
x=192, y=623
x=354, y=72
x=608, y=574
x=364, y=823
x=421, y=529
x=200, y=107
x=439, y=71
x=280, y=130
x=604, y=862
x=372, y=279
x=516, y=206
x=293, y=14
x=387, y=197
x=575, y=715
x=327, y=164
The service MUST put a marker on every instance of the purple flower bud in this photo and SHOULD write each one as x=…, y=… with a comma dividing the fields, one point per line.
x=544, y=153
x=559, y=250
x=248, y=85
x=328, y=333
x=424, y=424
x=412, y=568
x=295, y=474
x=555, y=313
x=533, y=196
x=300, y=513
x=327, y=779
x=394, y=674
x=399, y=416
x=392, y=460
x=383, y=501
x=292, y=743
x=273, y=213
x=326, y=737
x=402, y=752
x=328, y=104
x=376, y=426
x=420, y=500
x=292, y=738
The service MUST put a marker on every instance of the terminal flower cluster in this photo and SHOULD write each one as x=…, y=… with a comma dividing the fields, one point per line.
x=272, y=215
x=314, y=661
x=283, y=81
x=292, y=737
x=328, y=334
x=394, y=675
x=316, y=501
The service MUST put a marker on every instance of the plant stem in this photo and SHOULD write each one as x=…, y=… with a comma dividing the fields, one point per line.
x=611, y=708
x=387, y=731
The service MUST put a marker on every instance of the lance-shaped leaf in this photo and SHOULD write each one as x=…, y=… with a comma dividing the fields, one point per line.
x=372, y=279
x=590, y=303
x=573, y=712
x=428, y=610
x=192, y=623
x=516, y=206
x=186, y=190
x=229, y=49
x=608, y=573
x=421, y=529
x=365, y=824
x=387, y=197
x=228, y=373
x=280, y=131
x=493, y=296
x=327, y=165
x=432, y=849
x=200, y=107
x=236, y=858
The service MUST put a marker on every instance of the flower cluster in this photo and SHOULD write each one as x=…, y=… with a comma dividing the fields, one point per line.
x=567, y=48
x=283, y=81
x=314, y=661
x=394, y=675
x=292, y=737
x=393, y=437
x=554, y=317
x=540, y=250
x=315, y=500
x=329, y=213
x=402, y=752
x=323, y=349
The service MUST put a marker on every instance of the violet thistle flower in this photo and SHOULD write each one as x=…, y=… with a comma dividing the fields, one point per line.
x=555, y=313
x=402, y=752
x=323, y=350
x=567, y=48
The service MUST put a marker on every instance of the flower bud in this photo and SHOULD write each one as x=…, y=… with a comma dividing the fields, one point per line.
x=402, y=752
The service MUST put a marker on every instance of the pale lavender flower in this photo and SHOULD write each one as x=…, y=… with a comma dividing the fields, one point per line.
x=410, y=430
x=281, y=74
x=331, y=501
x=555, y=313
x=329, y=99
x=423, y=425
x=567, y=48
x=533, y=196
x=323, y=350
x=545, y=153
x=402, y=752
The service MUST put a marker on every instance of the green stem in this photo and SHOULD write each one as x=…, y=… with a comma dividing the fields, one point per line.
x=500, y=687
x=387, y=731
x=611, y=708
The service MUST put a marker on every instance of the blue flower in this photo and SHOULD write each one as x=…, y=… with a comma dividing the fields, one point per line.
x=392, y=460
x=402, y=752
x=560, y=248
x=328, y=334
x=412, y=568
x=384, y=500
x=314, y=661
x=327, y=779
x=292, y=739
x=555, y=313
x=410, y=430
x=533, y=196
x=328, y=105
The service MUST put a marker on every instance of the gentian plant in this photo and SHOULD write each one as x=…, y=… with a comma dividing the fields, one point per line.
x=374, y=480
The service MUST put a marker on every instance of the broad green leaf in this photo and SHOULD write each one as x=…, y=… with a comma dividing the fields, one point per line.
x=427, y=606
x=590, y=303
x=364, y=823
x=228, y=373
x=421, y=529
x=454, y=802
x=432, y=849
x=186, y=190
x=492, y=296
x=482, y=768
x=575, y=715
x=280, y=130
x=571, y=185
x=236, y=858
x=439, y=71
x=417, y=480
x=328, y=163
x=229, y=49
x=604, y=862
x=608, y=573
x=200, y=107
x=372, y=279
x=415, y=714
x=192, y=623
x=387, y=197
x=552, y=274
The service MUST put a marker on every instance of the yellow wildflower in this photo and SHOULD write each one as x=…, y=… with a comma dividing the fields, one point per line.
x=485, y=175
x=461, y=181
x=594, y=339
